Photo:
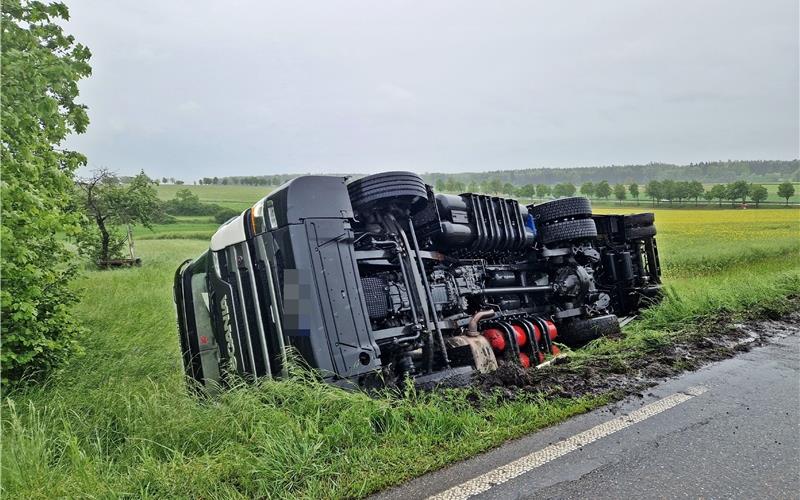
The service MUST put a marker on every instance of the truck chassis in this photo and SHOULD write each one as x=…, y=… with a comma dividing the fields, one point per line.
x=380, y=280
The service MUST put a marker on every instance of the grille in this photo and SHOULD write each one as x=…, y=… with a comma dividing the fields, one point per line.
x=375, y=296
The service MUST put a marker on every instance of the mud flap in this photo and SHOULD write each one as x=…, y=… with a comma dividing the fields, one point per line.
x=473, y=350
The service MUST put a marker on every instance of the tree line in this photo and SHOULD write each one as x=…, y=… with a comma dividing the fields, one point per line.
x=706, y=172
x=657, y=191
x=247, y=180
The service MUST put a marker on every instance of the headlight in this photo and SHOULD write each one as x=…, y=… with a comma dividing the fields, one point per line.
x=257, y=221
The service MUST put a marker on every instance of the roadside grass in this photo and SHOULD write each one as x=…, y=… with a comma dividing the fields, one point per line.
x=759, y=290
x=118, y=421
x=291, y=438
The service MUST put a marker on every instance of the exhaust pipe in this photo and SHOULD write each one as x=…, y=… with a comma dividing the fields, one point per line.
x=472, y=326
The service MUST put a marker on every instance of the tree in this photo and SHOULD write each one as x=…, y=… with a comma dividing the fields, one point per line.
x=188, y=203
x=225, y=214
x=695, y=190
x=758, y=193
x=109, y=205
x=634, y=190
x=542, y=191
x=587, y=189
x=564, y=189
x=185, y=201
x=620, y=193
x=453, y=185
x=602, y=190
x=508, y=189
x=41, y=66
x=717, y=192
x=738, y=190
x=786, y=190
x=654, y=190
x=669, y=190
x=681, y=190
x=528, y=191
x=493, y=186
x=440, y=185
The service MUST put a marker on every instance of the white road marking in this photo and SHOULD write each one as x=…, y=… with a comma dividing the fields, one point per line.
x=536, y=459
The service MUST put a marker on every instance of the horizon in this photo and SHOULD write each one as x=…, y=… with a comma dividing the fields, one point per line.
x=160, y=176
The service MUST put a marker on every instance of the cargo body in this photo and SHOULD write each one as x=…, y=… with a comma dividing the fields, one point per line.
x=380, y=280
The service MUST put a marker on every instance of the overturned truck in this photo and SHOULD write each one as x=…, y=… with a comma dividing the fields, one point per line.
x=381, y=280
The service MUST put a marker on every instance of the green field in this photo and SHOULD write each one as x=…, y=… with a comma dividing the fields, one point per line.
x=235, y=197
x=117, y=422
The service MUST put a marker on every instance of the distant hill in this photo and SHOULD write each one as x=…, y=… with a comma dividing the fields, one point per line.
x=707, y=172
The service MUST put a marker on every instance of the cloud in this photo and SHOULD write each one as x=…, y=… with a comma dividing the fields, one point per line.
x=189, y=106
x=395, y=93
x=195, y=88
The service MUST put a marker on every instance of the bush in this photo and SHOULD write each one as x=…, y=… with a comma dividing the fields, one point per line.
x=41, y=66
x=165, y=218
x=188, y=203
x=225, y=214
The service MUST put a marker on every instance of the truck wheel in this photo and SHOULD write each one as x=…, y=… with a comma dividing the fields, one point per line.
x=638, y=233
x=644, y=219
x=405, y=190
x=579, y=332
x=563, y=208
x=567, y=230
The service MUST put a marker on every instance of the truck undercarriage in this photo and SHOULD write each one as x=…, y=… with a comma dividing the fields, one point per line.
x=381, y=280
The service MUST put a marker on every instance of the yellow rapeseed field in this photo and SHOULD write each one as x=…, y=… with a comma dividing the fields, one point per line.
x=698, y=241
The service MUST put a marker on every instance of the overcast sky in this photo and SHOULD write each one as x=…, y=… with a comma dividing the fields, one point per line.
x=194, y=88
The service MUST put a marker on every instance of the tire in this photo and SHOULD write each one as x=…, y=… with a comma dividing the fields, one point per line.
x=568, y=230
x=638, y=233
x=579, y=332
x=406, y=190
x=563, y=208
x=645, y=219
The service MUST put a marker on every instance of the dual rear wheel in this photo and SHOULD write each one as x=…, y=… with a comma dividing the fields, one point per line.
x=564, y=220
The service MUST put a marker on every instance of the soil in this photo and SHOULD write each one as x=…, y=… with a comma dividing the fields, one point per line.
x=710, y=341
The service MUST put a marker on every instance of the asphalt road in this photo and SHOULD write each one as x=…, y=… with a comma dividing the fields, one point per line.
x=728, y=430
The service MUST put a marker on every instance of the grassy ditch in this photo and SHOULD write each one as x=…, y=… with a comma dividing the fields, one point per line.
x=118, y=422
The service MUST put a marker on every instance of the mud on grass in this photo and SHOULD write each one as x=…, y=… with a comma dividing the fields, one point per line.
x=621, y=374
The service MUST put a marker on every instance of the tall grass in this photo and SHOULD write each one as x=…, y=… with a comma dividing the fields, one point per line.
x=292, y=438
x=118, y=421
